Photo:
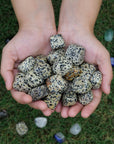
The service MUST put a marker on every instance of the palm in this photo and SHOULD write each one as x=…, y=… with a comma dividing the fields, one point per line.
x=30, y=43
x=95, y=54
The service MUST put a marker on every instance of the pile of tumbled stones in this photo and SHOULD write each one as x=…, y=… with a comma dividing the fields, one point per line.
x=61, y=76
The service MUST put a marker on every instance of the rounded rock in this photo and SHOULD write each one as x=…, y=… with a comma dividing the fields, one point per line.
x=96, y=80
x=39, y=92
x=55, y=55
x=62, y=66
x=57, y=41
x=69, y=98
x=81, y=85
x=75, y=53
x=26, y=65
x=56, y=84
x=85, y=98
x=73, y=72
x=20, y=84
x=40, y=58
x=33, y=80
x=52, y=100
x=75, y=129
x=21, y=128
x=88, y=68
x=40, y=122
x=42, y=69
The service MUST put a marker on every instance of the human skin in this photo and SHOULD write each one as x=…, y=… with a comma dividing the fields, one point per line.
x=76, y=24
x=36, y=25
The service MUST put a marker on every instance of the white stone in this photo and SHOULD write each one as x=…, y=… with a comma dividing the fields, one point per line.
x=75, y=129
x=21, y=128
x=40, y=122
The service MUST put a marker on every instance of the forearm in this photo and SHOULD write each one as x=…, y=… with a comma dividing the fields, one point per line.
x=81, y=13
x=33, y=12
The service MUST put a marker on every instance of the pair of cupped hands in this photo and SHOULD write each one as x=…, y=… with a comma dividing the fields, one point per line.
x=32, y=41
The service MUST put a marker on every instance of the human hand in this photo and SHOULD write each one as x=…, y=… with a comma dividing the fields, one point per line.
x=96, y=54
x=28, y=41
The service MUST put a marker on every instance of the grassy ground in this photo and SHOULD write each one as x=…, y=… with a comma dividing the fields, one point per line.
x=97, y=129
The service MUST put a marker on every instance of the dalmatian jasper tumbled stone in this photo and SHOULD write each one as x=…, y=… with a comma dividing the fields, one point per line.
x=52, y=100
x=57, y=41
x=20, y=84
x=96, y=80
x=56, y=84
x=69, y=98
x=41, y=57
x=72, y=73
x=42, y=69
x=39, y=92
x=27, y=65
x=62, y=66
x=81, y=85
x=75, y=53
x=33, y=80
x=85, y=98
x=55, y=55
x=89, y=68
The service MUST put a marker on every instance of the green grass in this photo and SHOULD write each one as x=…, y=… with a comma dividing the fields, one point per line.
x=97, y=129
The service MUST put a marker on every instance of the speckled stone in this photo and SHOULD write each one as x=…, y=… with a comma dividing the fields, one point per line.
x=39, y=92
x=69, y=98
x=27, y=64
x=20, y=84
x=62, y=66
x=56, y=84
x=42, y=69
x=21, y=128
x=86, y=75
x=88, y=68
x=96, y=80
x=81, y=85
x=41, y=58
x=73, y=72
x=52, y=100
x=85, y=98
x=75, y=53
x=55, y=55
x=57, y=41
x=33, y=80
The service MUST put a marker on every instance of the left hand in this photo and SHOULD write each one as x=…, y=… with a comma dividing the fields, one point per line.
x=96, y=54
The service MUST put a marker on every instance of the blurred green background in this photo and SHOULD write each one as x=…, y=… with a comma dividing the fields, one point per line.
x=97, y=129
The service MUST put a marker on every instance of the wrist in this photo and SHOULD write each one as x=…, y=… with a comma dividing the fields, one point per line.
x=77, y=28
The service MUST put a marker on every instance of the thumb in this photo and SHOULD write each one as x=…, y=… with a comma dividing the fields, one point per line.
x=106, y=69
x=7, y=66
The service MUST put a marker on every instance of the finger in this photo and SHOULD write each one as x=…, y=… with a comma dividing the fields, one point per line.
x=106, y=69
x=59, y=107
x=41, y=105
x=90, y=108
x=64, y=111
x=7, y=65
x=74, y=110
x=21, y=97
x=47, y=112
